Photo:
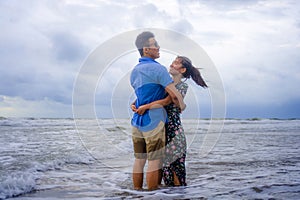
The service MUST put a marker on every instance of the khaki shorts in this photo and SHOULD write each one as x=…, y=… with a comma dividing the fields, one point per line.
x=149, y=144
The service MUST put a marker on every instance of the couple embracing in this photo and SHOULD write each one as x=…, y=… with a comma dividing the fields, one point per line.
x=157, y=133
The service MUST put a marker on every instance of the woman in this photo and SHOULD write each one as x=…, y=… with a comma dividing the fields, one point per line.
x=173, y=168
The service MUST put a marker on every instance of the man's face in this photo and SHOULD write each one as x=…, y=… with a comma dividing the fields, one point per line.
x=152, y=50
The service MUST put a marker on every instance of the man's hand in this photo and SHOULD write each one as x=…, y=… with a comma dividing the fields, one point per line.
x=141, y=110
x=133, y=108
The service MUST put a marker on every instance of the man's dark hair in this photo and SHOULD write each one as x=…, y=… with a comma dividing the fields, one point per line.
x=142, y=41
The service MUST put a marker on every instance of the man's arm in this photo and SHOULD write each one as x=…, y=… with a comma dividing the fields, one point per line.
x=175, y=96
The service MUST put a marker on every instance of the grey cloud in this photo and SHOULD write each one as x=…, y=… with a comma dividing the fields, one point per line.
x=213, y=37
x=221, y=4
x=183, y=26
x=67, y=47
x=147, y=15
x=38, y=59
x=33, y=85
x=44, y=43
x=31, y=74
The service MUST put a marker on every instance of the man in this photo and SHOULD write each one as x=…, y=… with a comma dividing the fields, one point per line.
x=150, y=81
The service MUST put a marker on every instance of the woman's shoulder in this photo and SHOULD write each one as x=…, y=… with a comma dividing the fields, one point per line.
x=182, y=85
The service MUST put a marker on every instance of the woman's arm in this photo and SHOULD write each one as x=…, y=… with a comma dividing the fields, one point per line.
x=176, y=97
x=155, y=104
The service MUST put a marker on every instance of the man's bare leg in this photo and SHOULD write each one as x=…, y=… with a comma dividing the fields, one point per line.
x=138, y=173
x=160, y=173
x=153, y=174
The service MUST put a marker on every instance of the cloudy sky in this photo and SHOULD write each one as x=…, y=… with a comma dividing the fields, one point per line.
x=254, y=45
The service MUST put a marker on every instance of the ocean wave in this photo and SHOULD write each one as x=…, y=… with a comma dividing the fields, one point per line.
x=17, y=184
x=20, y=182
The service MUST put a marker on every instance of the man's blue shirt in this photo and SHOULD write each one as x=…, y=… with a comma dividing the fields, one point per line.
x=149, y=79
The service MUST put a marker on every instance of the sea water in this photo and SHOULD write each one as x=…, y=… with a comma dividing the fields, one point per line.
x=60, y=159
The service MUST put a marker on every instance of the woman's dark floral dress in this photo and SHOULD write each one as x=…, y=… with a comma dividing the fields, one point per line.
x=175, y=153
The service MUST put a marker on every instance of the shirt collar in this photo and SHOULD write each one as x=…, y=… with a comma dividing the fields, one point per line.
x=143, y=59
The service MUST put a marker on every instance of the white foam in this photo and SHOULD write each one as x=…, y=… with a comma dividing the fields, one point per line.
x=17, y=184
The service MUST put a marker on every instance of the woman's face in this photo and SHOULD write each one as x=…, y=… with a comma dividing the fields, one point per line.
x=176, y=67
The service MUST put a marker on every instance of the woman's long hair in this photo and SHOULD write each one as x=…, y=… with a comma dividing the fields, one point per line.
x=192, y=71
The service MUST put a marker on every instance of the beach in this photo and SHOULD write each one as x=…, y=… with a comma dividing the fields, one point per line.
x=57, y=159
